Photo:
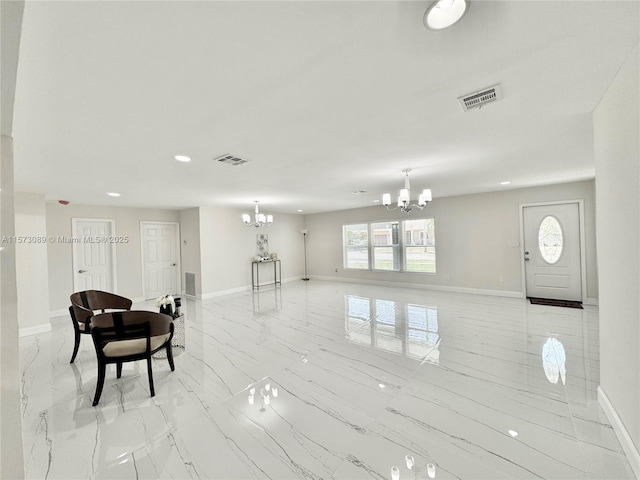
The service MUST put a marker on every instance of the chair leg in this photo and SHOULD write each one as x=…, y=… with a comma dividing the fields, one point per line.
x=170, y=356
x=150, y=372
x=101, y=374
x=118, y=369
x=76, y=344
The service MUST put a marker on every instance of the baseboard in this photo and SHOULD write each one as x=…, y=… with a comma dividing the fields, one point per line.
x=43, y=328
x=630, y=450
x=59, y=313
x=244, y=288
x=441, y=288
x=591, y=301
x=220, y=293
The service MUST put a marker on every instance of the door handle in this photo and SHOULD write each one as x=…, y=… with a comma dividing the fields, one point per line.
x=82, y=271
x=173, y=264
x=526, y=259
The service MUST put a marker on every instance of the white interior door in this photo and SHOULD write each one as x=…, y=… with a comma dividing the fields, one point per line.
x=160, y=258
x=552, y=251
x=93, y=256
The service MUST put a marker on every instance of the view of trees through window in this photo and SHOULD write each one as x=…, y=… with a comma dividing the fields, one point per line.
x=407, y=246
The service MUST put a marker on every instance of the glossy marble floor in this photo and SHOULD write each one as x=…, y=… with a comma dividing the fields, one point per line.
x=332, y=380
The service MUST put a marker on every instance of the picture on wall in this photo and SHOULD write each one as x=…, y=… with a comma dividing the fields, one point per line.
x=263, y=244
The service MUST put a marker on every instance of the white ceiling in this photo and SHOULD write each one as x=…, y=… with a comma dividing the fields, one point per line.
x=323, y=98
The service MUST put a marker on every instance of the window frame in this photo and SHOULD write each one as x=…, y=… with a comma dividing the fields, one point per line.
x=399, y=249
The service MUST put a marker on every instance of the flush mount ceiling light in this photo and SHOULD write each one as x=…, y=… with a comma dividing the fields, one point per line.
x=444, y=13
x=259, y=219
x=113, y=194
x=404, y=199
x=182, y=158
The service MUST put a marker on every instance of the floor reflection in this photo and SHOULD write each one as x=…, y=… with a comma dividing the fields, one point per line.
x=553, y=361
x=404, y=328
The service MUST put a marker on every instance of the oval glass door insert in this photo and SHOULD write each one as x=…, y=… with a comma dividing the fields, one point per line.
x=550, y=239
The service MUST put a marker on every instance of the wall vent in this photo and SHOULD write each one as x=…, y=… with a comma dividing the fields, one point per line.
x=231, y=160
x=190, y=284
x=480, y=98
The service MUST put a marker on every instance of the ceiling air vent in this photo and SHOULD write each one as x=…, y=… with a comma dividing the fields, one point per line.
x=231, y=160
x=480, y=98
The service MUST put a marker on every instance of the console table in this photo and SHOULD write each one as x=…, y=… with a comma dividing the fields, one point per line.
x=255, y=273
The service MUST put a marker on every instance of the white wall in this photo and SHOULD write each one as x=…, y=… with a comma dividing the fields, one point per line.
x=190, y=246
x=473, y=235
x=228, y=246
x=128, y=255
x=31, y=263
x=617, y=154
x=11, y=454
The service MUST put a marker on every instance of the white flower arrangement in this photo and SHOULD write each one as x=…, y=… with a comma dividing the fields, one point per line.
x=164, y=300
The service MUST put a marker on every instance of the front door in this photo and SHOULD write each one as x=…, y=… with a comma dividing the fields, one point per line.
x=160, y=258
x=552, y=257
x=93, y=256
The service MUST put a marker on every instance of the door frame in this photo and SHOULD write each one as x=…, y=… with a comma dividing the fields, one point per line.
x=178, y=255
x=75, y=240
x=583, y=253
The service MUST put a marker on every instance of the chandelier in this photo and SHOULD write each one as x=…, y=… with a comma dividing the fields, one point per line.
x=259, y=219
x=404, y=199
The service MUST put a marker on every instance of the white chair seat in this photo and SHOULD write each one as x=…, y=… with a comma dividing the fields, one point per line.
x=123, y=348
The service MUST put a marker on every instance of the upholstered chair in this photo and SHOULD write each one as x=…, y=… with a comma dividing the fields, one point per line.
x=85, y=304
x=129, y=336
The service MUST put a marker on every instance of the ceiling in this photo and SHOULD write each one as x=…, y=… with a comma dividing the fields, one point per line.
x=322, y=97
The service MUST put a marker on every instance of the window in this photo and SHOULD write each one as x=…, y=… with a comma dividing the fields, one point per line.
x=550, y=239
x=397, y=246
x=420, y=252
x=356, y=246
x=385, y=246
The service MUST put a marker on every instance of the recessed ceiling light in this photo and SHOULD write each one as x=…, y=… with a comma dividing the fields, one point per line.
x=513, y=433
x=300, y=210
x=182, y=158
x=505, y=183
x=113, y=194
x=377, y=200
x=444, y=13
